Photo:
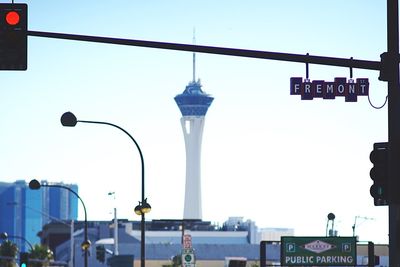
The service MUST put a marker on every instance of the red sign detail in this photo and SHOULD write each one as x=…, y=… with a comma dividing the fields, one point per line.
x=187, y=241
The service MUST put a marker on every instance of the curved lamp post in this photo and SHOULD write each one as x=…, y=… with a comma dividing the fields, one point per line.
x=5, y=236
x=35, y=185
x=68, y=119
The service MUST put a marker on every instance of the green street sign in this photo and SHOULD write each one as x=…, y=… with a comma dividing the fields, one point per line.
x=320, y=251
x=188, y=258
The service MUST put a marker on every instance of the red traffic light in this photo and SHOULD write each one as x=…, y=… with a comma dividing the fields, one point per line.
x=12, y=18
x=13, y=36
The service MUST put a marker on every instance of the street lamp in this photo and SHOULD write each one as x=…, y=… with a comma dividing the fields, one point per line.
x=142, y=207
x=5, y=236
x=35, y=185
x=68, y=119
x=331, y=217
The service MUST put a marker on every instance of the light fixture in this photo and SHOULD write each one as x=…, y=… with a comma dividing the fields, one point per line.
x=142, y=208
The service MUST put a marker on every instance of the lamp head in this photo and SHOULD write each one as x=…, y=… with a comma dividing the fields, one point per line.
x=86, y=245
x=331, y=216
x=68, y=119
x=142, y=207
x=4, y=235
x=146, y=207
x=34, y=184
x=138, y=209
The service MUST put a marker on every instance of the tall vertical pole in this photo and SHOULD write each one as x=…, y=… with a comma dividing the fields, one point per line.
x=72, y=245
x=263, y=253
x=142, y=222
x=371, y=254
x=393, y=129
x=116, y=250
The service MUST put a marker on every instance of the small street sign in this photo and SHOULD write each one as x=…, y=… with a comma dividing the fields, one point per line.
x=187, y=241
x=188, y=258
x=340, y=87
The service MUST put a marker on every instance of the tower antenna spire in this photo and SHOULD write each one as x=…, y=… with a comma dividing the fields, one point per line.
x=194, y=56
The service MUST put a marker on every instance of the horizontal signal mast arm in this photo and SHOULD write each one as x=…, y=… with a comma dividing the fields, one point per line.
x=332, y=61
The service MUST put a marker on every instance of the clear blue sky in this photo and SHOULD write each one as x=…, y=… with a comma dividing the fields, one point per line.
x=267, y=156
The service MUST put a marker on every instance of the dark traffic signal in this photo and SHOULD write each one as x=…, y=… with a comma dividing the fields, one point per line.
x=23, y=259
x=379, y=174
x=101, y=253
x=373, y=260
x=13, y=36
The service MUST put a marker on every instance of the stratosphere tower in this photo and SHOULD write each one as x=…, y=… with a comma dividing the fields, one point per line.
x=193, y=104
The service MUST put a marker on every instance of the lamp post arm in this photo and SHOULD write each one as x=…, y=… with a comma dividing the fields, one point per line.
x=80, y=199
x=134, y=141
x=22, y=238
x=72, y=191
x=142, y=223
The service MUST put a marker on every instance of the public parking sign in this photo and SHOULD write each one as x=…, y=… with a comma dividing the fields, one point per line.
x=318, y=251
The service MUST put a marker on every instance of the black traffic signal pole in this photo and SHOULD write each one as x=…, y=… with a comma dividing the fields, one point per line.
x=393, y=130
x=263, y=253
x=393, y=92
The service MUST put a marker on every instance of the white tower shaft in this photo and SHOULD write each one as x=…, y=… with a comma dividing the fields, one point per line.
x=192, y=127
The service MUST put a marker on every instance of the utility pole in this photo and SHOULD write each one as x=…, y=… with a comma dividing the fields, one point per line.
x=393, y=130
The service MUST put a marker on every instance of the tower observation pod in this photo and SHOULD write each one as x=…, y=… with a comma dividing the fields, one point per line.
x=193, y=104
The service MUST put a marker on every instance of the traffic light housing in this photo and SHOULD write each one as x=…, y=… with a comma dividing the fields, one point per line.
x=373, y=259
x=101, y=253
x=23, y=259
x=379, y=174
x=13, y=36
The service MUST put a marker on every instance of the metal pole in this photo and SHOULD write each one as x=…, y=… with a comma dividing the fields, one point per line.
x=142, y=223
x=116, y=252
x=72, y=245
x=393, y=129
x=371, y=254
x=142, y=241
x=263, y=253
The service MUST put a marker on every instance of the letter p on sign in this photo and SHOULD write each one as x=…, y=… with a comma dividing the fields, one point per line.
x=346, y=247
x=291, y=247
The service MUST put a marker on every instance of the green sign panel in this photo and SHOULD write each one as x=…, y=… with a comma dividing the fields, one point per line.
x=318, y=251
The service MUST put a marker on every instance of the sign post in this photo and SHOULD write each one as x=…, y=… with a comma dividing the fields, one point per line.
x=188, y=258
x=318, y=251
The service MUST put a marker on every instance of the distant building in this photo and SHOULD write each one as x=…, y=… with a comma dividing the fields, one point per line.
x=274, y=234
x=213, y=244
x=23, y=212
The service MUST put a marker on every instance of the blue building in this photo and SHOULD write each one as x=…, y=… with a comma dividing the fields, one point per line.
x=23, y=212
